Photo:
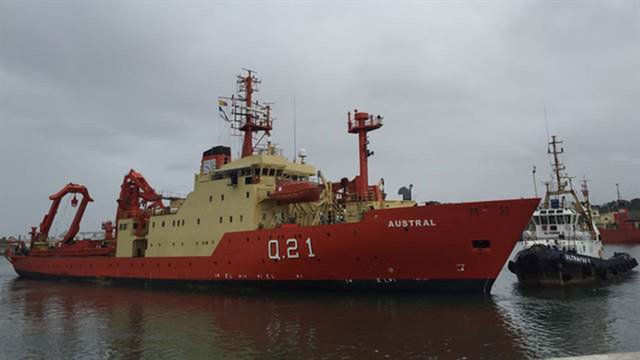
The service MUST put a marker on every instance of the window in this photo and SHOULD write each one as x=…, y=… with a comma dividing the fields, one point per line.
x=183, y=222
x=265, y=171
x=222, y=197
x=198, y=221
x=264, y=216
x=230, y=219
x=210, y=198
x=135, y=225
x=272, y=172
x=163, y=224
x=552, y=220
x=247, y=194
x=560, y=219
x=279, y=173
x=481, y=244
x=153, y=224
x=256, y=171
x=241, y=218
x=173, y=223
x=220, y=219
x=536, y=220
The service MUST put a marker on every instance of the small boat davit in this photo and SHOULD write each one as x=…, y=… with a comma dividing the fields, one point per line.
x=265, y=221
x=563, y=246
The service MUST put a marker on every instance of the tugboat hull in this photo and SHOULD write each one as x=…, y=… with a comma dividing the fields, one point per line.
x=545, y=266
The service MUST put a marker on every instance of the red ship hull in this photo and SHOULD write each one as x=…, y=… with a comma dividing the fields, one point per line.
x=620, y=236
x=451, y=247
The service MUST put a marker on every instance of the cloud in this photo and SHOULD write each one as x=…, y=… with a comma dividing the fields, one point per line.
x=89, y=90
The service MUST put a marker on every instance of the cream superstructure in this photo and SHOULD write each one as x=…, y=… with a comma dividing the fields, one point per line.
x=235, y=197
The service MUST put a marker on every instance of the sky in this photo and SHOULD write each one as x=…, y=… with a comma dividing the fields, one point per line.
x=89, y=90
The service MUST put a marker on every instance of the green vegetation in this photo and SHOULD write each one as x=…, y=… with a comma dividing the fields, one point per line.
x=633, y=205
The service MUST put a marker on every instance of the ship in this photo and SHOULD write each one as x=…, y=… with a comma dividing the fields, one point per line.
x=563, y=245
x=624, y=229
x=268, y=222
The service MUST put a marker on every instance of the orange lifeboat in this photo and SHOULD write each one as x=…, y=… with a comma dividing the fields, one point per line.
x=295, y=192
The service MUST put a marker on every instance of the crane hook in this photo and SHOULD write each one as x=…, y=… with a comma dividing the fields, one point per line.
x=74, y=201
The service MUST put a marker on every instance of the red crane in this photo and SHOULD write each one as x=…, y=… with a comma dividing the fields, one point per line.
x=137, y=200
x=43, y=234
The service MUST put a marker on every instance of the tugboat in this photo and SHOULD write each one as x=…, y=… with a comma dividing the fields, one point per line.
x=563, y=245
x=265, y=221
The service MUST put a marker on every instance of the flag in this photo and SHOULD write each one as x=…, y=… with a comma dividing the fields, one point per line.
x=222, y=102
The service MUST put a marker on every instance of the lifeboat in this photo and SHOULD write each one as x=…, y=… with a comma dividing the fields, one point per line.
x=295, y=192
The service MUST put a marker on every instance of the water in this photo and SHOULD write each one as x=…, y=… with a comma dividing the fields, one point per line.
x=69, y=320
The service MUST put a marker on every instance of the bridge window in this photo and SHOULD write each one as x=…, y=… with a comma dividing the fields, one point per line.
x=265, y=171
x=543, y=220
x=552, y=220
x=536, y=220
x=560, y=219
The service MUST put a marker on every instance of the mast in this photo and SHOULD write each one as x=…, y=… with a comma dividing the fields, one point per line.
x=619, y=197
x=585, y=194
x=535, y=186
x=248, y=115
x=361, y=124
x=557, y=165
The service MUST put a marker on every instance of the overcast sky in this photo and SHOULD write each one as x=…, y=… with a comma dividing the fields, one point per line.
x=89, y=90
